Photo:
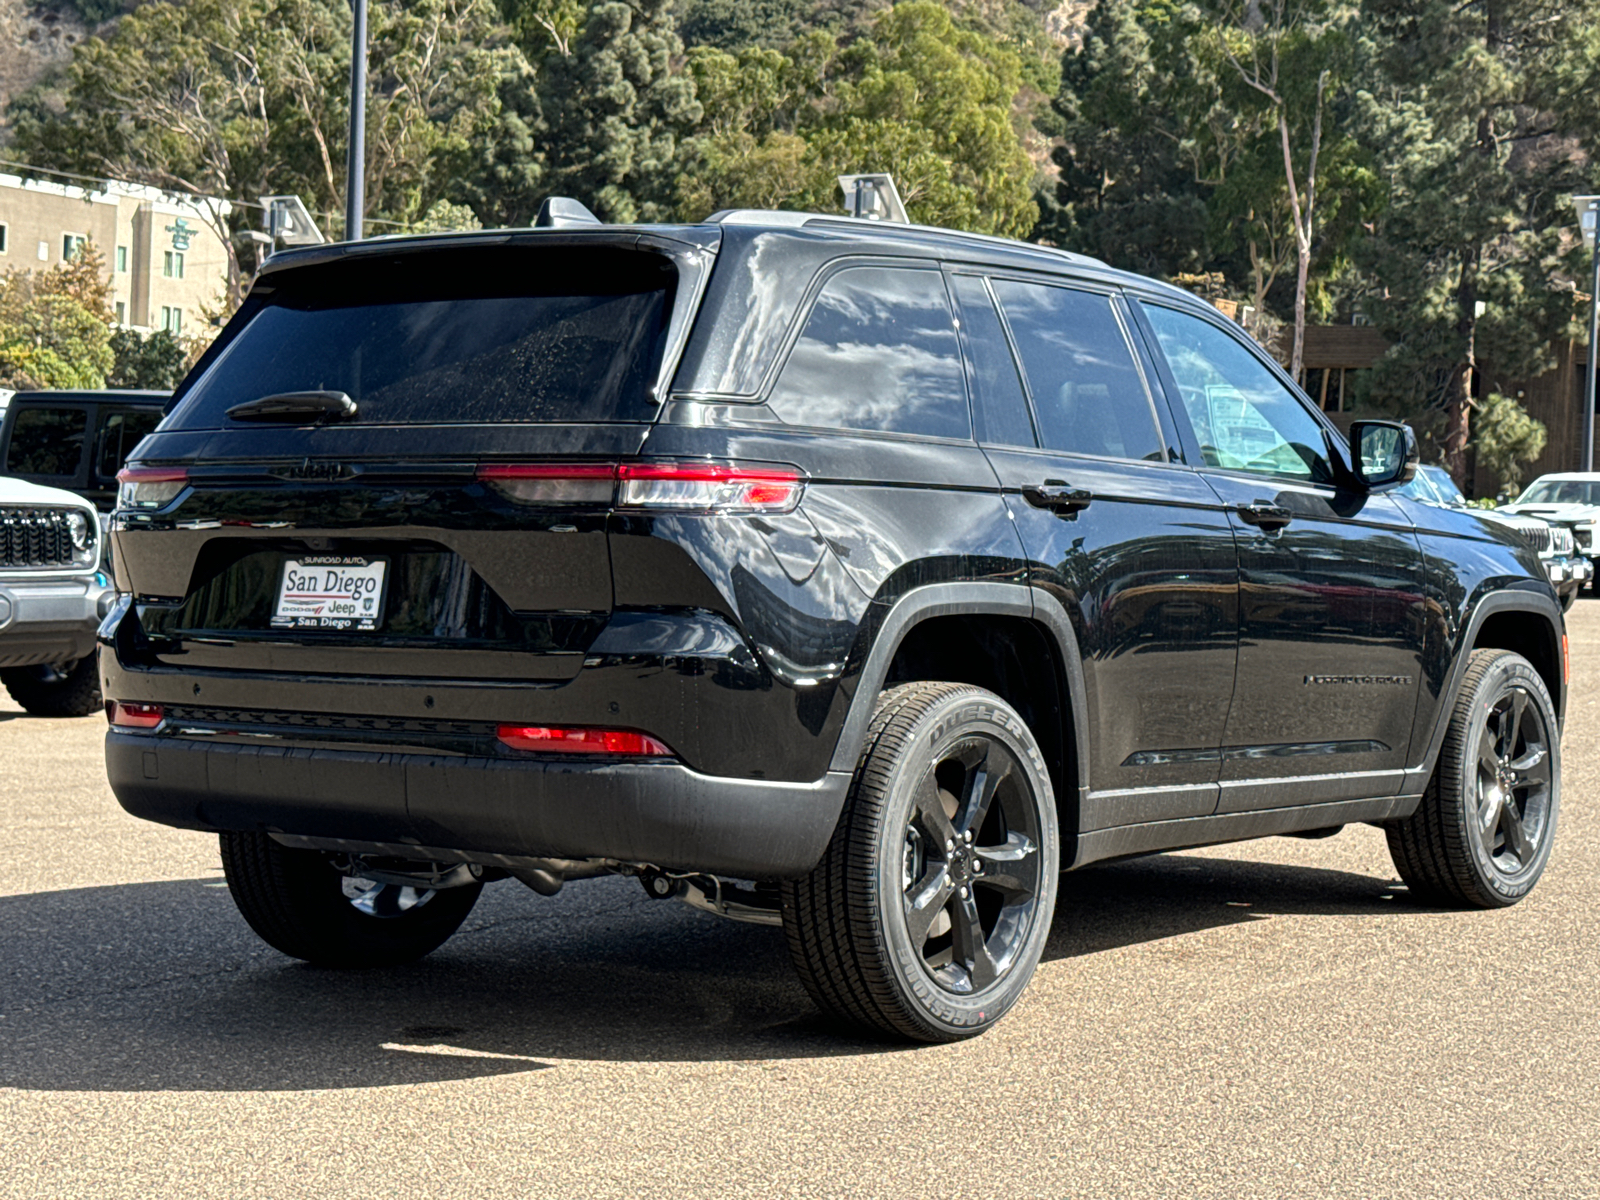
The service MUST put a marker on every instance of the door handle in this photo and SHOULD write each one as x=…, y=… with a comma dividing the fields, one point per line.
x=1058, y=497
x=1265, y=516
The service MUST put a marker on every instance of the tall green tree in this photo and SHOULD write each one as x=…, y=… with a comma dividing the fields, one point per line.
x=1291, y=56
x=1484, y=117
x=916, y=96
x=236, y=99
x=55, y=325
x=1187, y=134
x=1134, y=177
x=616, y=107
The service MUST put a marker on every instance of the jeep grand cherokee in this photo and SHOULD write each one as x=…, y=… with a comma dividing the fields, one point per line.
x=850, y=576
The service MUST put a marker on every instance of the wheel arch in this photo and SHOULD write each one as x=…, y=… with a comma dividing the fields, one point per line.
x=1011, y=639
x=1517, y=619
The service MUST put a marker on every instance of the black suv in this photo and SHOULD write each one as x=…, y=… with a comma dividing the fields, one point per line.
x=848, y=576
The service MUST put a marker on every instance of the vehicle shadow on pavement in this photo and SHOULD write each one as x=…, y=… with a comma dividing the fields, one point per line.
x=162, y=987
x=1146, y=899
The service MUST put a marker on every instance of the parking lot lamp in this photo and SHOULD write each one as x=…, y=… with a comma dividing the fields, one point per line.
x=1588, y=211
x=356, y=162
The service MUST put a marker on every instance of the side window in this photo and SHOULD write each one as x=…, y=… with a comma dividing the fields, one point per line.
x=878, y=352
x=999, y=407
x=1088, y=397
x=1244, y=418
x=47, y=441
x=118, y=436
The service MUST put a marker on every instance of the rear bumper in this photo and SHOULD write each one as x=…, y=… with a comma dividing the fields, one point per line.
x=658, y=813
x=50, y=622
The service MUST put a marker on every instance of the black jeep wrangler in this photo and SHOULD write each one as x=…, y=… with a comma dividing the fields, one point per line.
x=76, y=441
x=848, y=576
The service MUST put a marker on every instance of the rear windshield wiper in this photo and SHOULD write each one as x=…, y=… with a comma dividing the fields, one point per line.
x=296, y=406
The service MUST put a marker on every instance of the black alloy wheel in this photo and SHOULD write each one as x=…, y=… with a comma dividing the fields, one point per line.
x=929, y=911
x=971, y=874
x=1514, y=784
x=1483, y=832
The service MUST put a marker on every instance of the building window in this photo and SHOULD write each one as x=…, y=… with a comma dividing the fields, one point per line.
x=3, y=241
x=172, y=320
x=122, y=312
x=172, y=265
x=44, y=251
x=122, y=259
x=72, y=245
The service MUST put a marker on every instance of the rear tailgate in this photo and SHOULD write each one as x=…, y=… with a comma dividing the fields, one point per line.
x=459, y=358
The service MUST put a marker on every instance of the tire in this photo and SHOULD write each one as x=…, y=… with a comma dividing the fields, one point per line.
x=1473, y=841
x=296, y=902
x=64, y=690
x=985, y=902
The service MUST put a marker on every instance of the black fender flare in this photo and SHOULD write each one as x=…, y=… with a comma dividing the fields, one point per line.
x=964, y=598
x=1536, y=605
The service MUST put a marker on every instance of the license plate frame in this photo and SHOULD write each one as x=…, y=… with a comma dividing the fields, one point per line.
x=340, y=593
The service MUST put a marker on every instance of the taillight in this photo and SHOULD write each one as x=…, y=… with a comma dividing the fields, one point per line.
x=708, y=487
x=552, y=483
x=581, y=741
x=149, y=487
x=682, y=486
x=133, y=716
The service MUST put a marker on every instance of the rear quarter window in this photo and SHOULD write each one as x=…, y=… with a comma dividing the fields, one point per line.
x=878, y=352
x=120, y=432
x=482, y=336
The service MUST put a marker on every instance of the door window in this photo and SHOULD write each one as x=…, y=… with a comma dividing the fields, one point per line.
x=121, y=433
x=1088, y=397
x=47, y=441
x=1000, y=409
x=878, y=352
x=1243, y=417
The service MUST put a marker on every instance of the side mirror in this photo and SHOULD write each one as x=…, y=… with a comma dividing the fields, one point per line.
x=1385, y=452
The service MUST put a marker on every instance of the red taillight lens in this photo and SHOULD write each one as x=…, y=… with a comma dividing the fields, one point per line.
x=133, y=716
x=581, y=741
x=708, y=487
x=659, y=485
x=149, y=487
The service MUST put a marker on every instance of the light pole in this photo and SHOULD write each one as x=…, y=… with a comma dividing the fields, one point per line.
x=356, y=162
x=1588, y=211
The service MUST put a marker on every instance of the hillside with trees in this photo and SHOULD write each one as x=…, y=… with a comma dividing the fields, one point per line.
x=1315, y=160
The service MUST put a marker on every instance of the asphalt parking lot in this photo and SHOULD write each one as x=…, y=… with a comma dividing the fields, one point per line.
x=1269, y=1019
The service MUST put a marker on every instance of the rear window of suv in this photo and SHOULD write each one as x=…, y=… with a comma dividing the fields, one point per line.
x=484, y=335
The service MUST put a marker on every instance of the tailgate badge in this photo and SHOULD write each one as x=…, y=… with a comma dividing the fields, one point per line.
x=307, y=469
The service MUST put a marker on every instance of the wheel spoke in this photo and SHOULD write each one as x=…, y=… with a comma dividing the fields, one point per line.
x=1489, y=815
x=930, y=814
x=925, y=900
x=1489, y=753
x=1519, y=710
x=967, y=941
x=1011, y=868
x=983, y=782
x=1533, y=767
x=1516, y=835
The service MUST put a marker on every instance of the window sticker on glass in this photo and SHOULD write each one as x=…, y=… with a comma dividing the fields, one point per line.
x=1240, y=431
x=339, y=592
